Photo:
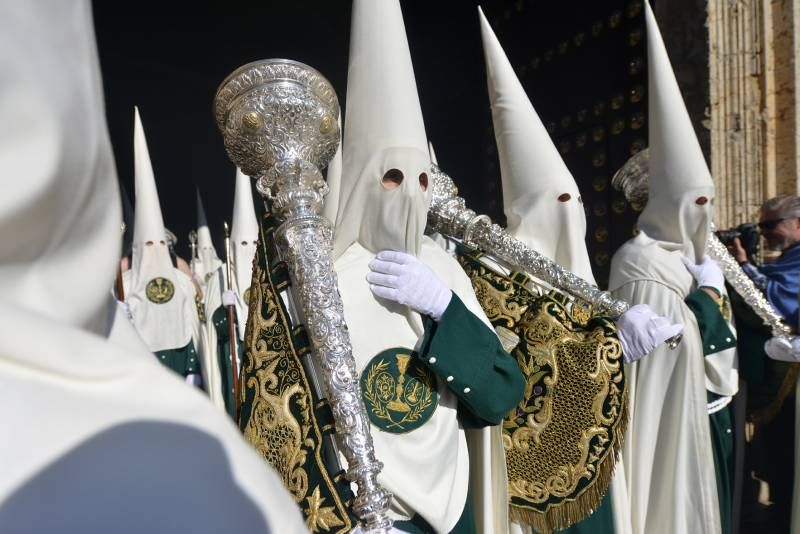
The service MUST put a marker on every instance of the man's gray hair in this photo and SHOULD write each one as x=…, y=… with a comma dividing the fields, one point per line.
x=785, y=206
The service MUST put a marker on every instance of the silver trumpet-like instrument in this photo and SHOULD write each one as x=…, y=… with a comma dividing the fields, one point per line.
x=738, y=279
x=278, y=119
x=449, y=216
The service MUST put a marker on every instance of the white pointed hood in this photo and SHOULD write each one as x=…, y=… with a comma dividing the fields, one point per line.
x=207, y=259
x=148, y=223
x=679, y=175
x=432, y=154
x=161, y=299
x=333, y=178
x=384, y=131
x=541, y=200
x=244, y=234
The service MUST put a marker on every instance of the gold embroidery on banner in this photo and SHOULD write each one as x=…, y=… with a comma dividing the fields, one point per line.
x=497, y=301
x=320, y=517
x=159, y=290
x=282, y=425
x=562, y=439
x=201, y=309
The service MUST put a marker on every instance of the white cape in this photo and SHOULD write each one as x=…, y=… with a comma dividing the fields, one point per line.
x=435, y=490
x=212, y=378
x=114, y=442
x=668, y=454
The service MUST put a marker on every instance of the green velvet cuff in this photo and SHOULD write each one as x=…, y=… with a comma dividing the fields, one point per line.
x=714, y=330
x=467, y=356
x=182, y=360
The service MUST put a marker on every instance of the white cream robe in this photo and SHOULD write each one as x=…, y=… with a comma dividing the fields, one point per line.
x=212, y=379
x=108, y=440
x=668, y=454
x=96, y=437
x=427, y=470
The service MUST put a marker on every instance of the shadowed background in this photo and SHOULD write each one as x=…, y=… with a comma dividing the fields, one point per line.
x=584, y=69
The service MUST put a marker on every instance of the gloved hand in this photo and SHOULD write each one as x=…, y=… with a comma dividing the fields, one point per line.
x=392, y=530
x=783, y=349
x=194, y=380
x=229, y=297
x=403, y=279
x=641, y=330
x=707, y=273
x=125, y=309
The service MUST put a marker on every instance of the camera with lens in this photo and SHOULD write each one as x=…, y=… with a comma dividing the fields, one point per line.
x=747, y=233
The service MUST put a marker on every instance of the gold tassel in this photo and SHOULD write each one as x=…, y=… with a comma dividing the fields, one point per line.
x=568, y=513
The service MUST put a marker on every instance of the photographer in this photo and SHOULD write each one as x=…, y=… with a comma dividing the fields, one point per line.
x=780, y=281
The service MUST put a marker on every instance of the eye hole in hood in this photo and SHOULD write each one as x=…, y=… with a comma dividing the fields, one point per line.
x=392, y=179
x=423, y=182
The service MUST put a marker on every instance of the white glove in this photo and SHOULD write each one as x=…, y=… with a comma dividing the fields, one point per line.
x=403, y=279
x=707, y=273
x=229, y=297
x=125, y=309
x=392, y=530
x=194, y=380
x=783, y=349
x=641, y=330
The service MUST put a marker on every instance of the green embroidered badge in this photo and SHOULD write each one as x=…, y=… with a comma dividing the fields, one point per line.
x=399, y=391
x=159, y=290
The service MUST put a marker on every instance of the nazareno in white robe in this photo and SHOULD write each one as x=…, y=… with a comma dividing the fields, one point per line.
x=668, y=452
x=97, y=437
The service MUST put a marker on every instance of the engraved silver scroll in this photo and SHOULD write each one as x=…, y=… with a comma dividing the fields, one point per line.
x=743, y=284
x=279, y=121
x=449, y=216
x=631, y=179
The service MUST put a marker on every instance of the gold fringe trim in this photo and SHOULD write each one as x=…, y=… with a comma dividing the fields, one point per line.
x=563, y=515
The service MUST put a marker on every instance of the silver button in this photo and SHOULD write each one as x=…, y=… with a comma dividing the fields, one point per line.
x=467, y=390
x=727, y=339
x=432, y=359
x=712, y=347
x=450, y=378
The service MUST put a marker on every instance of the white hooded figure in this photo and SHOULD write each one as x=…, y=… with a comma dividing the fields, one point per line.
x=541, y=200
x=400, y=290
x=669, y=459
x=160, y=297
x=243, y=239
x=103, y=434
x=207, y=261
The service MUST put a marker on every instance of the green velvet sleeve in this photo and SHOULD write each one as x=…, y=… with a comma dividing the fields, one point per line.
x=468, y=357
x=714, y=329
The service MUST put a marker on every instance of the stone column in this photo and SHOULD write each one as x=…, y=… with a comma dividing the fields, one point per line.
x=737, y=129
x=780, y=96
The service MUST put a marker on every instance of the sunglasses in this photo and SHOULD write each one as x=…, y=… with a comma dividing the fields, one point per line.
x=771, y=225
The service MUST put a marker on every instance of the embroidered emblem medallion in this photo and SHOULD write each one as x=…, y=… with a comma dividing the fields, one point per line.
x=246, y=297
x=159, y=290
x=399, y=391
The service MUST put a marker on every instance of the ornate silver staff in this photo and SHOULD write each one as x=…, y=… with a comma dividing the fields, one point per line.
x=743, y=284
x=278, y=120
x=631, y=179
x=449, y=216
x=193, y=245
